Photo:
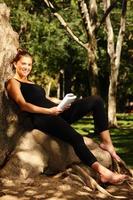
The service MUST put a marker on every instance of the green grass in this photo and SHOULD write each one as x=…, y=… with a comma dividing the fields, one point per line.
x=122, y=137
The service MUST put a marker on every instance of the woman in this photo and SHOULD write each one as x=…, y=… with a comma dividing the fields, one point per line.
x=56, y=122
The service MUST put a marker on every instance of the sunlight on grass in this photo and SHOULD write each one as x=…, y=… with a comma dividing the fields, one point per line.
x=85, y=125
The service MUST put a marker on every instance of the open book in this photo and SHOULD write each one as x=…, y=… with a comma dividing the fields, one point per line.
x=68, y=99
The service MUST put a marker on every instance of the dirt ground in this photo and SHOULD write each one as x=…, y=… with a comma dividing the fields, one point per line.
x=59, y=187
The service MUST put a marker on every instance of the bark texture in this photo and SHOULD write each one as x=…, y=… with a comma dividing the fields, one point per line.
x=8, y=46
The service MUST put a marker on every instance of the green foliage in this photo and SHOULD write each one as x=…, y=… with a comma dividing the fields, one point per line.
x=41, y=33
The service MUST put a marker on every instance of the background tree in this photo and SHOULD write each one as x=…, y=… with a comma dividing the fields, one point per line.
x=89, y=16
x=114, y=54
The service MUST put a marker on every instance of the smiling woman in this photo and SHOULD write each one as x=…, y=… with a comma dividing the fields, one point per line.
x=23, y=65
x=49, y=118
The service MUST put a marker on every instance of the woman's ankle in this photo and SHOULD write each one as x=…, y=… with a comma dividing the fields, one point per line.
x=98, y=167
x=105, y=137
x=107, y=175
x=101, y=170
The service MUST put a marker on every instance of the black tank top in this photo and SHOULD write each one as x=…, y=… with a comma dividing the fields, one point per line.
x=35, y=94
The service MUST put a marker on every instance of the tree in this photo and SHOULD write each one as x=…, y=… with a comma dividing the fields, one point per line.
x=9, y=44
x=89, y=16
x=125, y=86
x=114, y=54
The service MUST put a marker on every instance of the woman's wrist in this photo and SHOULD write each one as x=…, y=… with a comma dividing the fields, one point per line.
x=46, y=111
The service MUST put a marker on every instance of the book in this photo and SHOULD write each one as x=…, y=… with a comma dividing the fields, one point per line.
x=68, y=99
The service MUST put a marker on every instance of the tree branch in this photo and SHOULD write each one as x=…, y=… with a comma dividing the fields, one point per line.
x=49, y=4
x=124, y=8
x=109, y=31
x=64, y=24
x=86, y=18
x=93, y=13
x=109, y=9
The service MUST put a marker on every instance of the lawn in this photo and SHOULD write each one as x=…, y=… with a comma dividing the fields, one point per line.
x=122, y=137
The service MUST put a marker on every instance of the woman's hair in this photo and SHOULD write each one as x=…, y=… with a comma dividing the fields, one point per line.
x=20, y=54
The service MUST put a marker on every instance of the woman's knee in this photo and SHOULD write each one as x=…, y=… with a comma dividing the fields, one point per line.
x=98, y=100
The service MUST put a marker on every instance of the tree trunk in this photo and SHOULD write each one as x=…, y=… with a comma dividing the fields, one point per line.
x=89, y=18
x=60, y=91
x=114, y=55
x=112, y=97
x=48, y=88
x=93, y=69
x=68, y=76
x=8, y=46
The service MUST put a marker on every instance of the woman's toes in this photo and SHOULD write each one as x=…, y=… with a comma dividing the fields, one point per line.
x=114, y=179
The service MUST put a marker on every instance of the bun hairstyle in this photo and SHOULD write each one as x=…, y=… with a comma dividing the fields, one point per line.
x=20, y=54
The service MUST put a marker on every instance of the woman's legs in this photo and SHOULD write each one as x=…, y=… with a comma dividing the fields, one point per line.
x=82, y=107
x=107, y=144
x=56, y=126
x=59, y=128
x=95, y=105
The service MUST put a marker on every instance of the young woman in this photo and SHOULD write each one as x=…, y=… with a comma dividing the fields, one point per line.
x=56, y=122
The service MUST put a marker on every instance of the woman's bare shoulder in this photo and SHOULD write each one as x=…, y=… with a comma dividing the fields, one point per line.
x=12, y=82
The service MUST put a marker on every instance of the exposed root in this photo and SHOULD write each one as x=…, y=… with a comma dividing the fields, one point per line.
x=76, y=177
x=130, y=182
x=121, y=167
x=92, y=184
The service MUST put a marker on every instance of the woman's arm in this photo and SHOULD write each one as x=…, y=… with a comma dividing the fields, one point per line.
x=13, y=89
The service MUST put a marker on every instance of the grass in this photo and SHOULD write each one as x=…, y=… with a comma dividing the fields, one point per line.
x=122, y=137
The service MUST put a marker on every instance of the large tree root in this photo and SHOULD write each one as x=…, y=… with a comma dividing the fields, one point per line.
x=81, y=175
x=91, y=182
x=121, y=167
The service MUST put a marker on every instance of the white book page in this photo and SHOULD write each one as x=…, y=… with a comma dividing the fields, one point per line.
x=68, y=99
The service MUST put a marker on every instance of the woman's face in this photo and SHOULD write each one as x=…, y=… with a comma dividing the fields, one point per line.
x=23, y=66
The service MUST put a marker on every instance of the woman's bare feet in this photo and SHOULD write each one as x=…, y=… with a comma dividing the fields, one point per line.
x=111, y=150
x=106, y=175
x=112, y=178
x=107, y=144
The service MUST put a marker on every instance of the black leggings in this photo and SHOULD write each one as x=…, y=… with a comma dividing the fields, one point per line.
x=59, y=126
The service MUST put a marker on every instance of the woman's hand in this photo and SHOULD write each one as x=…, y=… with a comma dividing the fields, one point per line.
x=55, y=111
x=67, y=107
